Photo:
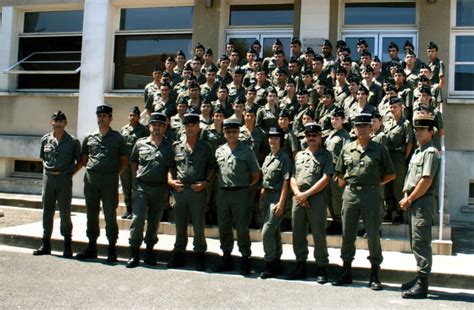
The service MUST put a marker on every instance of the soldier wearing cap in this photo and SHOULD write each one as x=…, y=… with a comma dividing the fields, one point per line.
x=194, y=167
x=238, y=171
x=362, y=106
x=269, y=63
x=362, y=45
x=61, y=155
x=131, y=133
x=235, y=87
x=267, y=116
x=329, y=59
x=375, y=89
x=208, y=61
x=393, y=51
x=276, y=170
x=312, y=172
x=362, y=167
x=164, y=101
x=151, y=159
x=436, y=65
x=105, y=156
x=323, y=114
x=210, y=87
x=303, y=102
x=425, y=104
x=170, y=64
x=223, y=74
x=334, y=143
x=154, y=86
x=404, y=91
x=420, y=186
x=180, y=62
x=378, y=135
x=400, y=145
x=223, y=101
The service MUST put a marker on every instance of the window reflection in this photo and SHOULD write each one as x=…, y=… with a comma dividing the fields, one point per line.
x=248, y=15
x=156, y=18
x=61, y=21
x=380, y=13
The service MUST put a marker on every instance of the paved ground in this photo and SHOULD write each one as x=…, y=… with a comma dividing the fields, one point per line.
x=53, y=282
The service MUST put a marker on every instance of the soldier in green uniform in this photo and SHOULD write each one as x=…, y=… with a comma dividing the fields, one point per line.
x=153, y=87
x=131, y=133
x=105, y=156
x=436, y=65
x=151, y=159
x=276, y=171
x=419, y=189
x=363, y=166
x=194, y=167
x=61, y=155
x=313, y=170
x=238, y=171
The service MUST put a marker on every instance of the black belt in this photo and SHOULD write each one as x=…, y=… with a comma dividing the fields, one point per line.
x=361, y=187
x=234, y=188
x=57, y=172
x=271, y=190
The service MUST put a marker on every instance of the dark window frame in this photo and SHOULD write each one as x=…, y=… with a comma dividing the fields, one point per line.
x=262, y=8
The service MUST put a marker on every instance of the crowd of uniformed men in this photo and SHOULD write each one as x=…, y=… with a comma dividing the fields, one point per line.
x=274, y=143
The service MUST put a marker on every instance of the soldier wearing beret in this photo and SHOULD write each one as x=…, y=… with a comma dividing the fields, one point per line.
x=238, y=171
x=276, y=171
x=194, y=167
x=154, y=86
x=362, y=167
x=420, y=186
x=312, y=172
x=151, y=159
x=61, y=155
x=131, y=133
x=436, y=65
x=105, y=156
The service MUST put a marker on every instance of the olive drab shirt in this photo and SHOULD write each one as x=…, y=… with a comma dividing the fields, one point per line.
x=275, y=170
x=310, y=167
x=104, y=152
x=399, y=135
x=364, y=167
x=153, y=161
x=335, y=142
x=132, y=134
x=425, y=162
x=191, y=166
x=235, y=166
x=60, y=156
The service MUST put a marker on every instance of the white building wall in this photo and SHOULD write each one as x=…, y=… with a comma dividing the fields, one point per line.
x=459, y=172
x=314, y=24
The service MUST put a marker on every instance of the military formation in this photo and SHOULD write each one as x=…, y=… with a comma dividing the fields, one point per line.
x=311, y=143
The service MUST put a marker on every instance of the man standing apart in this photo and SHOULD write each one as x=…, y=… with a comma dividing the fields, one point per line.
x=363, y=166
x=104, y=155
x=61, y=154
x=420, y=187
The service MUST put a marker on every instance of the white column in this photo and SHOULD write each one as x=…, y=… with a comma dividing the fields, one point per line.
x=314, y=25
x=8, y=46
x=96, y=37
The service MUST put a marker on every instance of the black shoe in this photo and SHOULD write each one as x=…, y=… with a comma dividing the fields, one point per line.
x=418, y=291
x=177, y=260
x=44, y=249
x=321, y=275
x=335, y=228
x=127, y=215
x=344, y=277
x=374, y=282
x=111, y=254
x=225, y=264
x=134, y=259
x=89, y=253
x=409, y=285
x=200, y=262
x=245, y=266
x=299, y=273
x=150, y=258
x=67, y=253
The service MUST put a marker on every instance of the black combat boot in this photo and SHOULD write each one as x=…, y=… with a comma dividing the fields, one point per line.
x=245, y=265
x=134, y=259
x=225, y=264
x=44, y=249
x=200, y=261
x=177, y=260
x=321, y=275
x=299, y=273
x=374, y=282
x=410, y=284
x=150, y=258
x=67, y=253
x=90, y=252
x=271, y=270
x=417, y=291
x=111, y=253
x=344, y=276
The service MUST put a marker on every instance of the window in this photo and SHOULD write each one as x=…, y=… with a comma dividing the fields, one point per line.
x=462, y=40
x=28, y=169
x=146, y=37
x=266, y=15
x=471, y=192
x=385, y=13
x=49, y=51
x=243, y=41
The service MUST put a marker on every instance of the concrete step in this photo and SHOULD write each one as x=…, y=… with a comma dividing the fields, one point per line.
x=448, y=271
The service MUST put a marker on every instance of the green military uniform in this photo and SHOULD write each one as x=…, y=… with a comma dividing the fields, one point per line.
x=127, y=178
x=438, y=69
x=235, y=169
x=150, y=90
x=266, y=118
x=380, y=137
x=235, y=91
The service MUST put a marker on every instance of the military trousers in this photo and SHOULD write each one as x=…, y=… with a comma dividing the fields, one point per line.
x=393, y=189
x=190, y=204
x=57, y=188
x=233, y=208
x=334, y=199
x=129, y=184
x=421, y=221
x=101, y=186
x=271, y=236
x=315, y=217
x=149, y=201
x=361, y=202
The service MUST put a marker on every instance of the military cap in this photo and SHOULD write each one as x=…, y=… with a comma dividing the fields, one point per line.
x=423, y=121
x=251, y=51
x=209, y=52
x=366, y=53
x=408, y=44
x=251, y=88
x=341, y=69
x=295, y=41
x=212, y=69
x=196, y=58
x=432, y=45
x=230, y=123
x=411, y=53
x=193, y=84
x=376, y=59
x=364, y=89
x=238, y=70
x=303, y=92
x=401, y=71
x=251, y=110
x=395, y=100
x=135, y=110
x=166, y=84
x=187, y=67
x=157, y=117
x=105, y=108
x=353, y=78
x=319, y=57
x=338, y=112
x=279, y=52
x=425, y=66
x=282, y=70
x=180, y=53
x=347, y=58
x=223, y=86
x=393, y=45
x=192, y=78
x=363, y=118
x=369, y=69
x=275, y=132
x=362, y=41
x=182, y=100
x=285, y=113
x=322, y=83
x=376, y=114
x=260, y=69
x=291, y=80
x=312, y=128
x=224, y=58
x=58, y=116
x=326, y=42
x=258, y=59
x=257, y=42
x=309, y=51
x=170, y=59
x=191, y=117
x=425, y=108
x=329, y=92
x=340, y=43
x=309, y=112
x=308, y=72
x=239, y=100
x=277, y=42
x=157, y=68
x=219, y=109
x=425, y=90
x=293, y=60
x=345, y=49
x=199, y=45
x=272, y=90
x=207, y=99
